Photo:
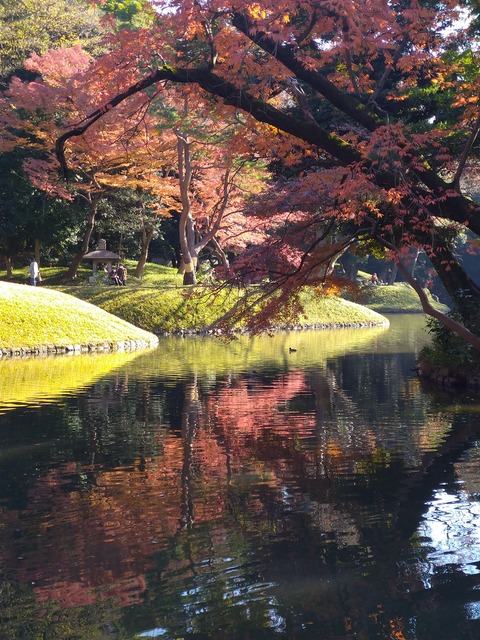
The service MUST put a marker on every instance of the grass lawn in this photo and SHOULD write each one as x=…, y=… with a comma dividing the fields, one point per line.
x=58, y=313
x=160, y=303
x=33, y=316
x=396, y=298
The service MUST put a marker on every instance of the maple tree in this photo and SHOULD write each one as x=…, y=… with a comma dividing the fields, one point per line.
x=187, y=166
x=331, y=88
x=212, y=198
x=119, y=153
x=30, y=26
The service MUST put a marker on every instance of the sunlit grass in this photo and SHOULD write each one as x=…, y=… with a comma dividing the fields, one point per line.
x=170, y=309
x=32, y=316
x=397, y=298
x=158, y=303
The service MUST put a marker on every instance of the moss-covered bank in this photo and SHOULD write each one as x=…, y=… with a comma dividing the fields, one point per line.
x=37, y=320
x=176, y=309
x=450, y=377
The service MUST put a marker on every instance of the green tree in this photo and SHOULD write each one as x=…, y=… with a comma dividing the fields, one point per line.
x=130, y=14
x=130, y=219
x=29, y=219
x=30, y=26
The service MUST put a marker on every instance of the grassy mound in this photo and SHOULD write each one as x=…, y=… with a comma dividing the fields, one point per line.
x=162, y=305
x=158, y=303
x=32, y=316
x=397, y=298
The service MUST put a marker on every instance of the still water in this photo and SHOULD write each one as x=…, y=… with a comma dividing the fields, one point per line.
x=302, y=486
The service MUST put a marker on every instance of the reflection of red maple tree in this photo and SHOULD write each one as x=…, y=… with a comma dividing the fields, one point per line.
x=99, y=538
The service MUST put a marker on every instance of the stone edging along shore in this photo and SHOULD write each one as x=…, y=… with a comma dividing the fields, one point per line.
x=449, y=378
x=296, y=327
x=134, y=345
x=91, y=347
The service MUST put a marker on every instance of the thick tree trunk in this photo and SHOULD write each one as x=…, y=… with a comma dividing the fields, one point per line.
x=464, y=292
x=350, y=264
x=78, y=257
x=189, y=262
x=147, y=236
x=189, y=275
x=36, y=250
x=388, y=272
x=324, y=258
x=8, y=266
x=186, y=226
x=220, y=254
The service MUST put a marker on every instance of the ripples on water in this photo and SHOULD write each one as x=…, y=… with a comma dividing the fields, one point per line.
x=240, y=490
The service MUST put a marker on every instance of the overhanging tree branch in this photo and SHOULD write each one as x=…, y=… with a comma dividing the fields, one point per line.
x=459, y=329
x=442, y=203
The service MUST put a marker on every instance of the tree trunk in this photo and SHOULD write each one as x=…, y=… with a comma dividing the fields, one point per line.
x=186, y=226
x=415, y=253
x=464, y=292
x=120, y=243
x=147, y=236
x=36, y=250
x=78, y=257
x=189, y=275
x=324, y=258
x=388, y=272
x=458, y=328
x=8, y=266
x=220, y=254
x=350, y=264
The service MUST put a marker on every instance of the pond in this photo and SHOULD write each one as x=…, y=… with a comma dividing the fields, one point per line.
x=300, y=486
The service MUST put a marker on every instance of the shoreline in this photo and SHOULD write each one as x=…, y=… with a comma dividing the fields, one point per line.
x=448, y=378
x=7, y=353
x=137, y=345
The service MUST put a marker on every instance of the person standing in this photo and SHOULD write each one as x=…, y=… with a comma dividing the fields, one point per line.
x=34, y=272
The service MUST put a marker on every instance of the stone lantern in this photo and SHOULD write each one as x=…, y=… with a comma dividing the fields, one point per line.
x=101, y=257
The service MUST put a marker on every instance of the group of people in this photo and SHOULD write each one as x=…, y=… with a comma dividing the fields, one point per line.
x=118, y=275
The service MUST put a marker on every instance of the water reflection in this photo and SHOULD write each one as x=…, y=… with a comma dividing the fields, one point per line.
x=29, y=381
x=211, y=490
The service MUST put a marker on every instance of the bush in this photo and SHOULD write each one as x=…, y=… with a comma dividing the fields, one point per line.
x=447, y=348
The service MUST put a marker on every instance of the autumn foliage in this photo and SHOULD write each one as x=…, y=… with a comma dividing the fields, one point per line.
x=364, y=113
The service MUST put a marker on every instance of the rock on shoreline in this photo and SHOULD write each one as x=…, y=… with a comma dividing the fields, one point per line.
x=449, y=378
x=71, y=349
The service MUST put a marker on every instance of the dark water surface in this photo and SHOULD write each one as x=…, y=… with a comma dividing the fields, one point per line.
x=239, y=491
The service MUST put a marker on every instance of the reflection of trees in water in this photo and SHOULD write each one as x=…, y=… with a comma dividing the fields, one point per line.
x=24, y=617
x=251, y=502
x=190, y=421
x=376, y=529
